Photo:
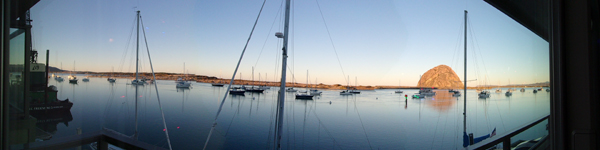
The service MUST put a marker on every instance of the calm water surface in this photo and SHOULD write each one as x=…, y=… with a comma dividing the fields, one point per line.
x=378, y=119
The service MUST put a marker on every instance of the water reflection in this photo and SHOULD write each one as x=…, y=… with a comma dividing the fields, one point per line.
x=442, y=101
x=347, y=122
x=47, y=123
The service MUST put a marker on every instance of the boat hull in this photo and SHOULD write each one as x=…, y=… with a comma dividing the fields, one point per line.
x=52, y=107
x=303, y=96
x=237, y=92
x=255, y=90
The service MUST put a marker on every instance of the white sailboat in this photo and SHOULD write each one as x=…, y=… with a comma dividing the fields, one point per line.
x=398, y=91
x=314, y=91
x=111, y=78
x=181, y=83
x=57, y=77
x=291, y=89
x=509, y=91
x=72, y=77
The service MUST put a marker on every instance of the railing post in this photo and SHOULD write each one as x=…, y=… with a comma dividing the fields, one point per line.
x=506, y=143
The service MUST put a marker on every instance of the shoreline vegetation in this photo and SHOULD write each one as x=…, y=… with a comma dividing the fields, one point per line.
x=211, y=79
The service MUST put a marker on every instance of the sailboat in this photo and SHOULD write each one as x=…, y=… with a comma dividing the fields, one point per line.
x=484, y=93
x=398, y=91
x=469, y=139
x=111, y=78
x=498, y=90
x=291, y=89
x=219, y=84
x=509, y=91
x=58, y=78
x=354, y=91
x=254, y=89
x=134, y=137
x=85, y=79
x=314, y=91
x=305, y=95
x=181, y=83
x=137, y=80
x=72, y=77
x=262, y=87
x=347, y=91
x=237, y=90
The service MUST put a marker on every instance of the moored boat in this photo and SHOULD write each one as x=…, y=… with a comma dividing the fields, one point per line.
x=346, y=92
x=484, y=94
x=237, y=91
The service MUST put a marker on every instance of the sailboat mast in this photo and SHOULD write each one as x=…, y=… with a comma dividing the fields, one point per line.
x=465, y=97
x=137, y=58
x=306, y=80
x=283, y=74
x=137, y=47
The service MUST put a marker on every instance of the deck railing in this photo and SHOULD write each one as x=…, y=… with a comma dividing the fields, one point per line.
x=505, y=137
x=102, y=137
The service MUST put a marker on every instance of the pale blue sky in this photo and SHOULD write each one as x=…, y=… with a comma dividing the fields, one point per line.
x=379, y=42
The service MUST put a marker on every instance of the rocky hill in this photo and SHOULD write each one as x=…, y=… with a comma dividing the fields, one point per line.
x=442, y=77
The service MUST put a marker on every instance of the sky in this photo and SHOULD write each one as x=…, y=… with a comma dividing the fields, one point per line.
x=381, y=42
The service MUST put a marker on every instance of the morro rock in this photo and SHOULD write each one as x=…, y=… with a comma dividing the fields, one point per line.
x=442, y=77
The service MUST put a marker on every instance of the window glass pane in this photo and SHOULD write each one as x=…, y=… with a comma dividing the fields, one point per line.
x=387, y=74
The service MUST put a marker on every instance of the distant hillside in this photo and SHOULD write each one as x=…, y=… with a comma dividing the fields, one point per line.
x=540, y=84
x=54, y=69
